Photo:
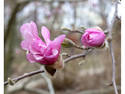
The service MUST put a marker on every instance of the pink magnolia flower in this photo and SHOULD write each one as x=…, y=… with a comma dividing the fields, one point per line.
x=93, y=37
x=47, y=52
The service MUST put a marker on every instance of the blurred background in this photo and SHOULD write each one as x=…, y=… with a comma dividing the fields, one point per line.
x=93, y=73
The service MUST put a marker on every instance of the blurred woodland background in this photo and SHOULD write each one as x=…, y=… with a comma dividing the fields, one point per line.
x=89, y=77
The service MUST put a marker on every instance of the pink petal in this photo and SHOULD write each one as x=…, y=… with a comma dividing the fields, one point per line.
x=38, y=57
x=46, y=34
x=34, y=28
x=30, y=34
x=26, y=31
x=55, y=52
x=30, y=58
x=56, y=43
x=29, y=30
x=25, y=45
x=53, y=57
x=37, y=47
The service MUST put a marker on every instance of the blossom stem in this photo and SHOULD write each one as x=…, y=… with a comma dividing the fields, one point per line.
x=78, y=56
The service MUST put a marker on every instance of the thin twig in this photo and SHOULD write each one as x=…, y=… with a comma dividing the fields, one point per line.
x=77, y=56
x=70, y=42
x=25, y=76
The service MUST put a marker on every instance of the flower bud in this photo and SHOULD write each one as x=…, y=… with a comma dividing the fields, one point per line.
x=93, y=37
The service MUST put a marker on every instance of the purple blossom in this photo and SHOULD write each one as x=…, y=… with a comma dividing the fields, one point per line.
x=47, y=52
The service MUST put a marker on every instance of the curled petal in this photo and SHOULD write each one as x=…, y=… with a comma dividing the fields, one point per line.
x=46, y=34
x=30, y=58
x=37, y=47
x=25, y=45
x=30, y=34
x=29, y=30
x=26, y=31
x=34, y=28
x=38, y=57
x=84, y=40
x=53, y=57
x=56, y=43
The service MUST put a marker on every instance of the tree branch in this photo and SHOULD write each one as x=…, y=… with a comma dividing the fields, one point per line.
x=113, y=68
x=24, y=76
x=110, y=28
x=41, y=71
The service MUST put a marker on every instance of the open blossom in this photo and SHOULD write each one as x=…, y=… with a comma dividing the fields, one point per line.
x=47, y=52
x=93, y=37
